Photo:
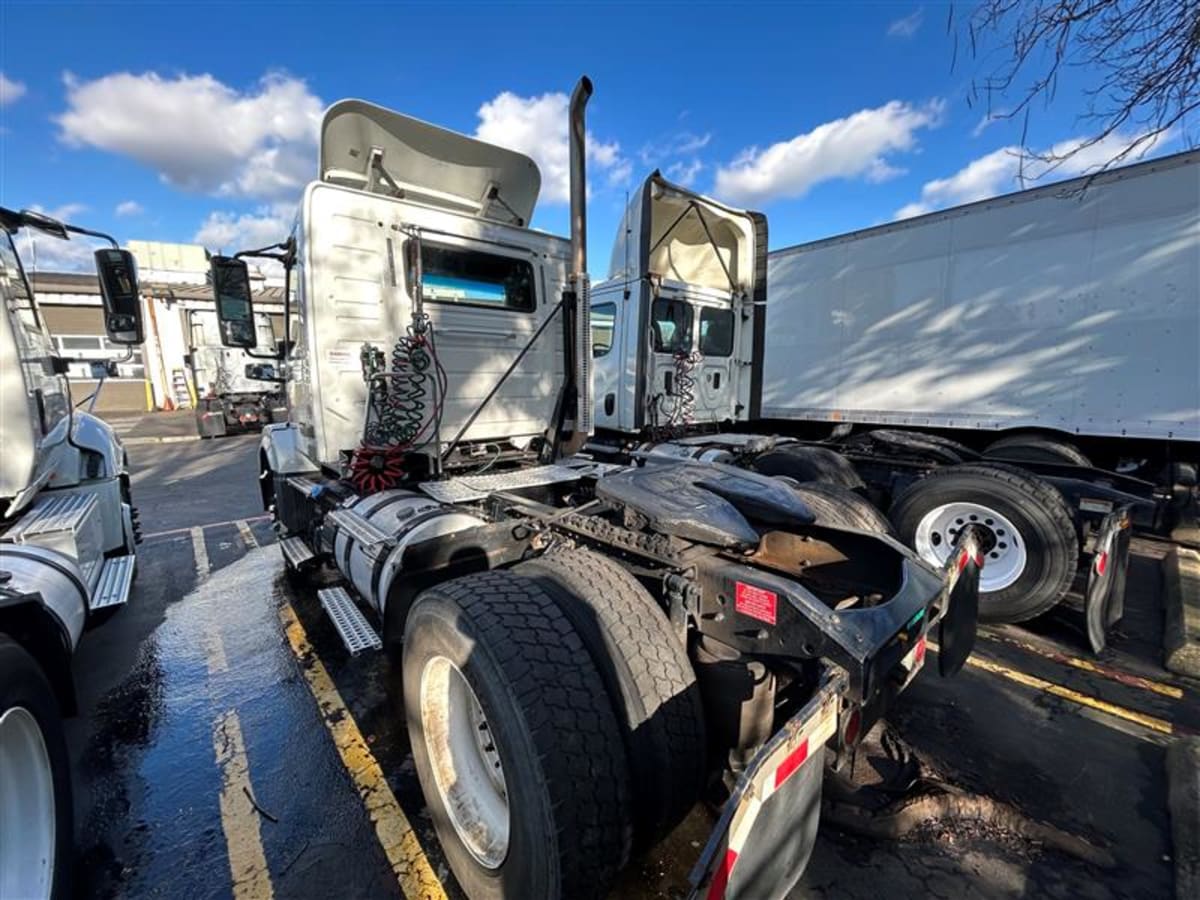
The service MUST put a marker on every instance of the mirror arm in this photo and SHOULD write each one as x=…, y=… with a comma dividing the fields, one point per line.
x=75, y=229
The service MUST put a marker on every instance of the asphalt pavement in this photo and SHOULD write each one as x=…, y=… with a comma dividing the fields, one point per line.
x=227, y=746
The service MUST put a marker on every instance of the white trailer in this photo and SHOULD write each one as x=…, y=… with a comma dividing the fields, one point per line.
x=1072, y=308
x=1075, y=313
x=68, y=532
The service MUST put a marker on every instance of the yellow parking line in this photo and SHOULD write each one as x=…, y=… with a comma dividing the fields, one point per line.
x=408, y=861
x=239, y=819
x=214, y=647
x=247, y=534
x=1065, y=693
x=1118, y=675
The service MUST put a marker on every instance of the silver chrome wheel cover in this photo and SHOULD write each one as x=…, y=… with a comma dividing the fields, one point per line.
x=465, y=762
x=28, y=826
x=1004, y=560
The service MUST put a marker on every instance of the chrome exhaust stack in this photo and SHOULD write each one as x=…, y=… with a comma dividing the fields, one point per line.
x=576, y=306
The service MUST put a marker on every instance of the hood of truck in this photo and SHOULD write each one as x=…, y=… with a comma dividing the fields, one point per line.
x=373, y=149
x=679, y=235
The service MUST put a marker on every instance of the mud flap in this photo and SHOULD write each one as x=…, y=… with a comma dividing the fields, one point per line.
x=960, y=606
x=1104, y=604
x=767, y=829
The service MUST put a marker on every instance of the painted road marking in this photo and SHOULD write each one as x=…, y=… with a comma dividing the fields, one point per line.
x=414, y=874
x=247, y=535
x=192, y=528
x=239, y=818
x=214, y=647
x=1057, y=690
x=1118, y=675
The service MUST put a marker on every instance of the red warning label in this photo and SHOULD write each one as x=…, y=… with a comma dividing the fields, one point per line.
x=755, y=602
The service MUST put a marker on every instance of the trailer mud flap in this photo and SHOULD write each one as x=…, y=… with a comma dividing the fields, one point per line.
x=960, y=611
x=1104, y=604
x=767, y=829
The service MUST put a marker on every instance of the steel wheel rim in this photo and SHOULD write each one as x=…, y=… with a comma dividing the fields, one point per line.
x=28, y=826
x=1005, y=554
x=465, y=762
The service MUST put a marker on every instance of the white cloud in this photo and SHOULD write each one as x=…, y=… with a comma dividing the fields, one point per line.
x=537, y=127
x=198, y=133
x=1004, y=170
x=685, y=173
x=129, y=208
x=682, y=143
x=855, y=146
x=10, y=91
x=987, y=121
x=228, y=232
x=907, y=26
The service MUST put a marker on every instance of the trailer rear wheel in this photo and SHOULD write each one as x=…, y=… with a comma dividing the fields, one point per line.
x=36, y=813
x=805, y=464
x=649, y=679
x=840, y=507
x=516, y=748
x=1021, y=448
x=1031, y=549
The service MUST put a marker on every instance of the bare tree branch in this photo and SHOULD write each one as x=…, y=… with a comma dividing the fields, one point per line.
x=1142, y=58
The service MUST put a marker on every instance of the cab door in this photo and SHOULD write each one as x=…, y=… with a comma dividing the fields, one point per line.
x=716, y=388
x=671, y=394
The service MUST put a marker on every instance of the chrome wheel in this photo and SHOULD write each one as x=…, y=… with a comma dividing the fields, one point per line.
x=1005, y=556
x=27, y=813
x=465, y=761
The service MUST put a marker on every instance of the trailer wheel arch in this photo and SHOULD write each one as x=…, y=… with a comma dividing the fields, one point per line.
x=1036, y=446
x=806, y=463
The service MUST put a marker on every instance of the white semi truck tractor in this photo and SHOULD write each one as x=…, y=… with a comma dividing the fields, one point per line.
x=228, y=401
x=584, y=650
x=68, y=532
x=944, y=368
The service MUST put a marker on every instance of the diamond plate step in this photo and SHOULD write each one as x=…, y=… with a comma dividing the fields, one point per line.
x=296, y=551
x=51, y=514
x=116, y=578
x=352, y=626
x=358, y=528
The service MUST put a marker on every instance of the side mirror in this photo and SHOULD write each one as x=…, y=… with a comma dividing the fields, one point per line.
x=260, y=372
x=235, y=307
x=122, y=299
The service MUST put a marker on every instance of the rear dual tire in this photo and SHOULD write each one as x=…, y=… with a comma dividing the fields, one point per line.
x=540, y=806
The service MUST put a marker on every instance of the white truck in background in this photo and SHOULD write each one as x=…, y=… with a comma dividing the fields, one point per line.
x=227, y=399
x=996, y=342
x=68, y=534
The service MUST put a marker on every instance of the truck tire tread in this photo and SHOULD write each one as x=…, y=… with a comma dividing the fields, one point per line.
x=648, y=676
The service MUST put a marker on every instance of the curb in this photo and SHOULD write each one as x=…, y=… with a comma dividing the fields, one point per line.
x=1183, y=802
x=1181, y=595
x=174, y=439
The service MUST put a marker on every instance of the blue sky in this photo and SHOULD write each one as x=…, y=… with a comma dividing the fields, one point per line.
x=196, y=122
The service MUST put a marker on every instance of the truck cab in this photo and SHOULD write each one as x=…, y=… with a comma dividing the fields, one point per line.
x=228, y=399
x=68, y=533
x=677, y=322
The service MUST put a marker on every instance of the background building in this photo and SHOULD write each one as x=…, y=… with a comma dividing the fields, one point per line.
x=155, y=376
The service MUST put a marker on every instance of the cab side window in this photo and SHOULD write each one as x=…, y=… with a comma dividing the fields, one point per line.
x=716, y=331
x=604, y=316
x=671, y=323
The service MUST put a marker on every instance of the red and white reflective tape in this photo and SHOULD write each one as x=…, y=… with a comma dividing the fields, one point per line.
x=773, y=774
